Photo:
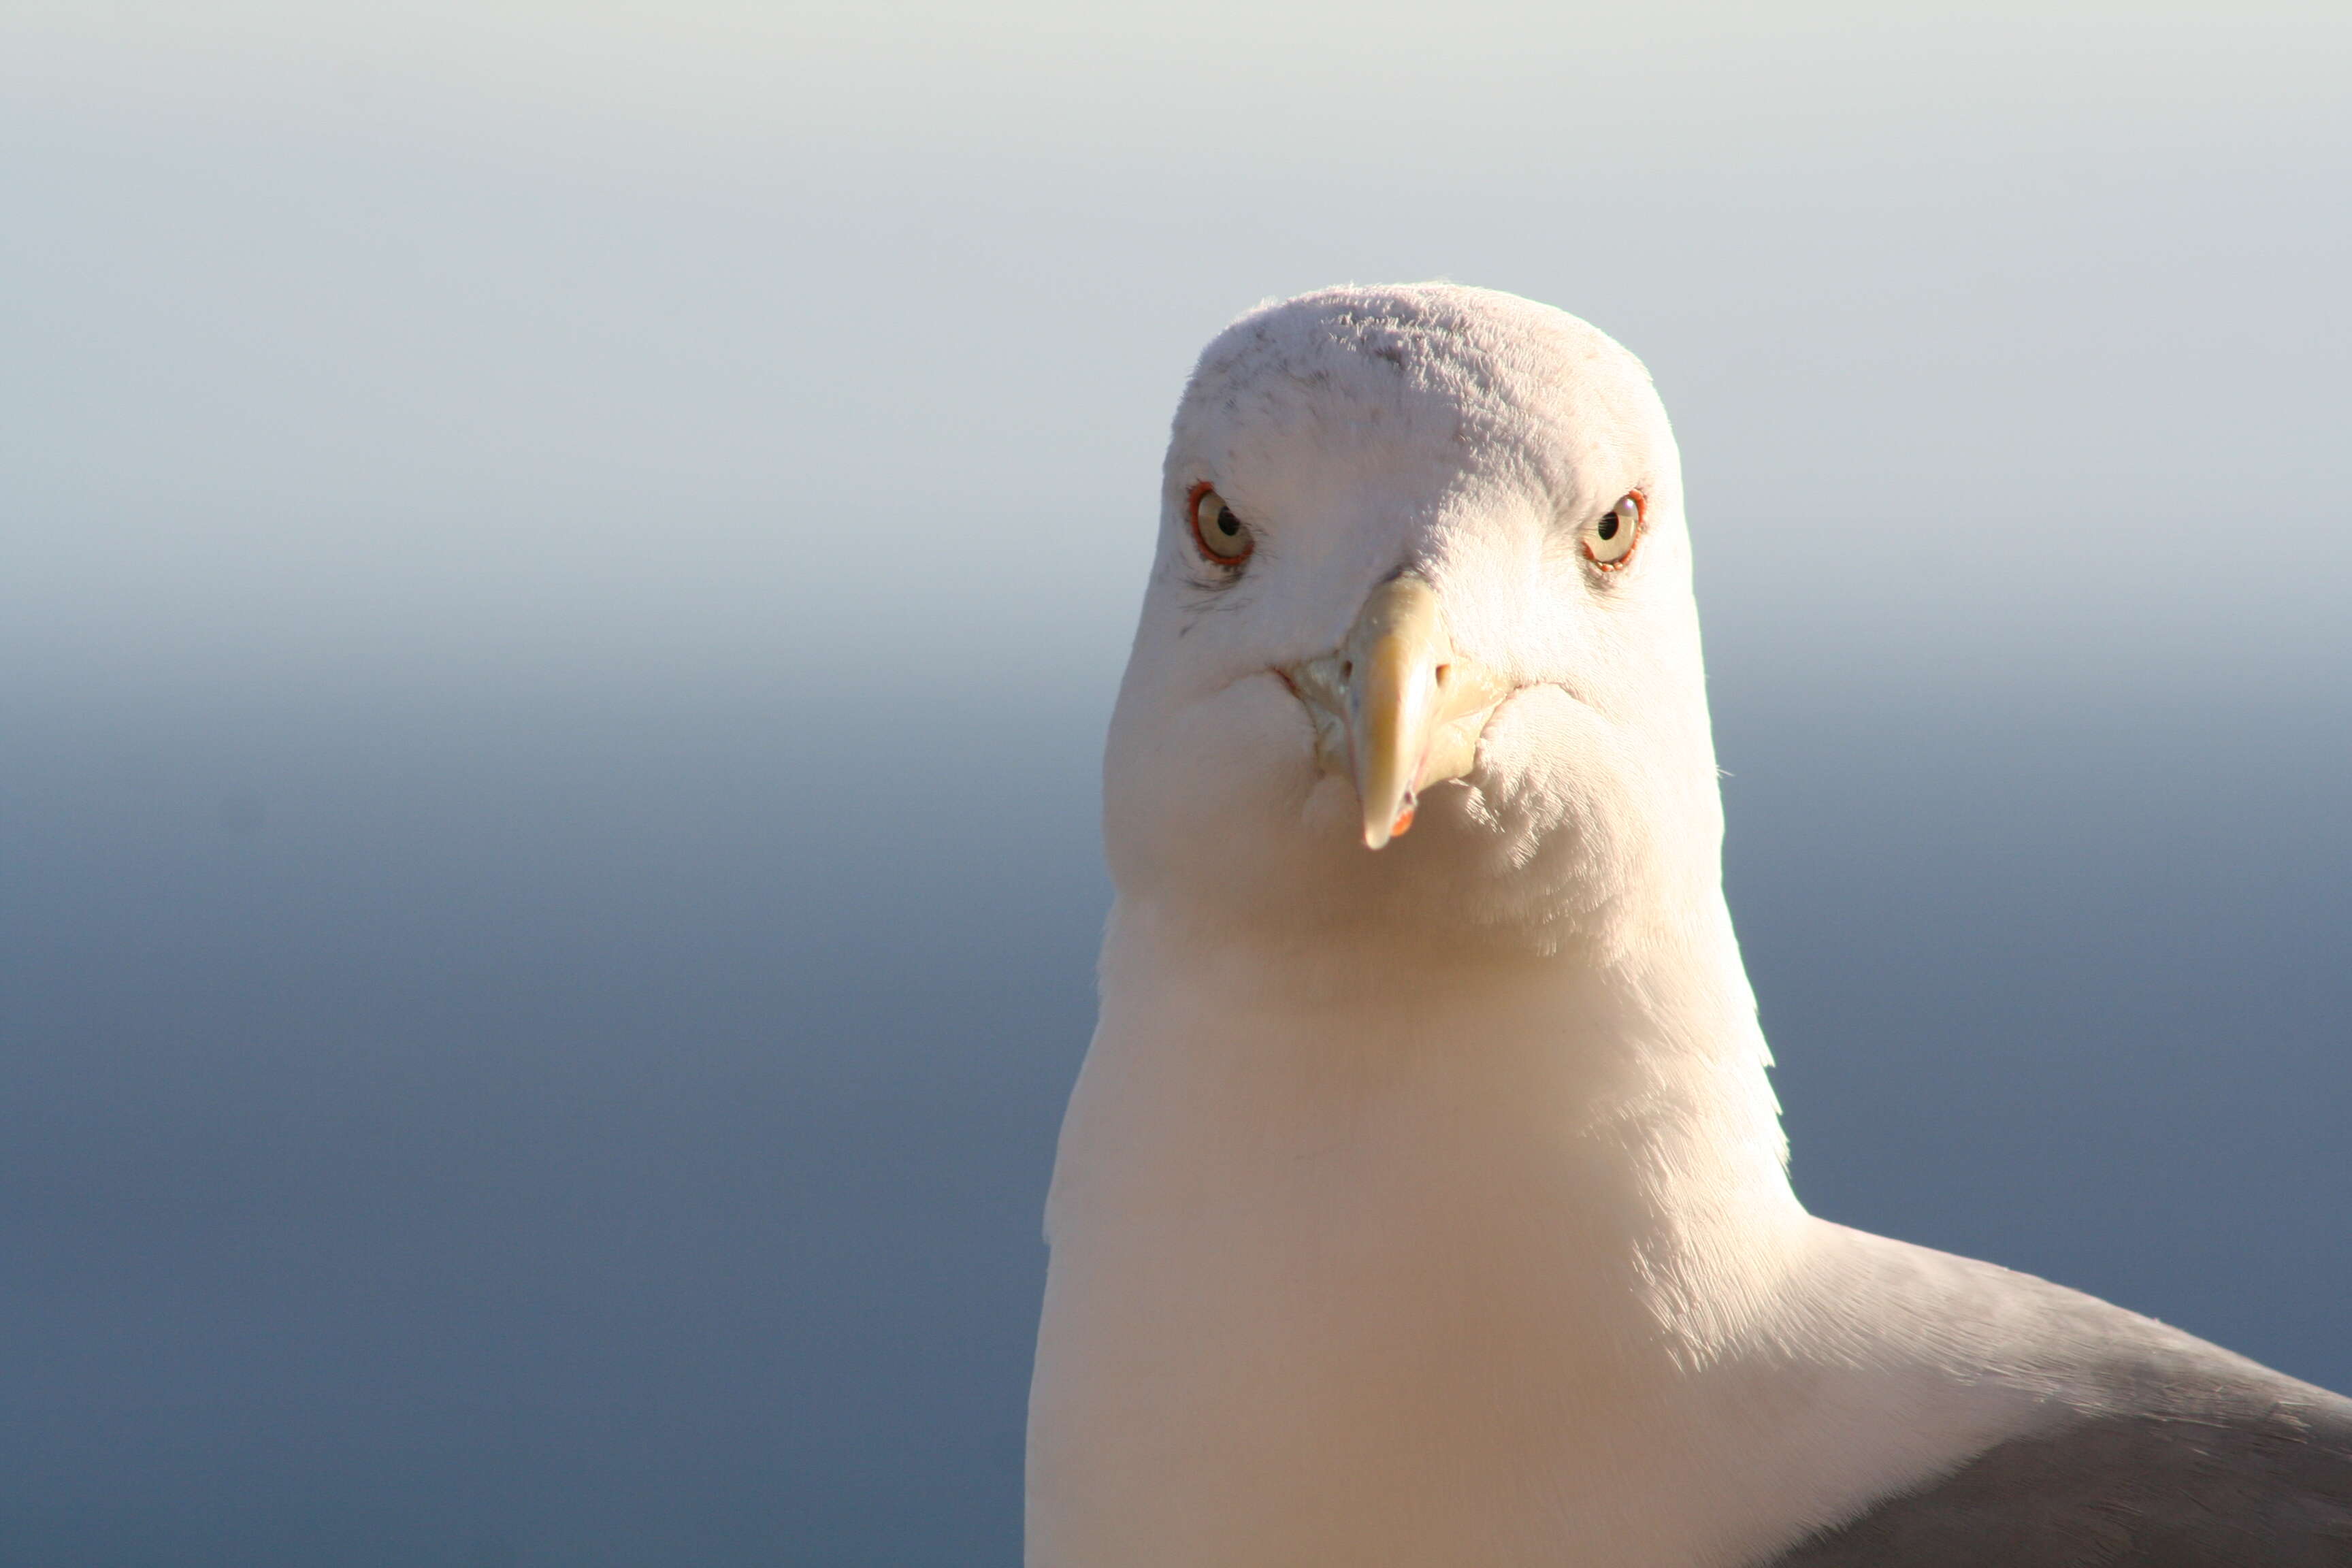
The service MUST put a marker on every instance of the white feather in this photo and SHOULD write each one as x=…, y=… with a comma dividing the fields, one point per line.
x=1429, y=1207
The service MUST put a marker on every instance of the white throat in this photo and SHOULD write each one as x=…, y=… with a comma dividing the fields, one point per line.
x=1623, y=1098
x=1328, y=1218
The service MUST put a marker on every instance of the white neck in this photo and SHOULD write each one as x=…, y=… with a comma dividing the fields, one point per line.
x=1327, y=1216
x=1623, y=1095
x=1365, y=1253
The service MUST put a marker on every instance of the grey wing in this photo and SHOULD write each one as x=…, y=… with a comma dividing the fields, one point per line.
x=2186, y=1457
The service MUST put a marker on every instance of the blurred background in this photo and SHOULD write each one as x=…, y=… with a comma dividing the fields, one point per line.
x=562, y=568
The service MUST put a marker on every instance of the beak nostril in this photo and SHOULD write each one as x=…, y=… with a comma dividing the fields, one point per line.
x=1347, y=670
x=1443, y=672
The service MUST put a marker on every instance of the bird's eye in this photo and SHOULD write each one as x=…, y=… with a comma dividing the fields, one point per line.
x=1224, y=538
x=1610, y=539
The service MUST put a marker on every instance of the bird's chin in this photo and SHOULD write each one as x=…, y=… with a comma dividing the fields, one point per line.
x=1225, y=808
x=1440, y=874
x=1333, y=819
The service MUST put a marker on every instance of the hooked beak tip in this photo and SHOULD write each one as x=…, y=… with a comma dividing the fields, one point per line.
x=1376, y=837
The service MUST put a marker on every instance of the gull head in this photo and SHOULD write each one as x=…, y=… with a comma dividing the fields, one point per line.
x=1419, y=647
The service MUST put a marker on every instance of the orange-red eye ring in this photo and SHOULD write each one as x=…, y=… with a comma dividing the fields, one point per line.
x=1192, y=516
x=1641, y=521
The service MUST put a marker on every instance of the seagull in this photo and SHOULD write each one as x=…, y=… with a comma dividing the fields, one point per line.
x=1423, y=1200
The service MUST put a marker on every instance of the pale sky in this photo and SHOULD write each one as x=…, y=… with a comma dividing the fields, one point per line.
x=515, y=336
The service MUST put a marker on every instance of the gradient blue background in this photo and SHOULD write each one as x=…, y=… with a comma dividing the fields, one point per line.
x=562, y=569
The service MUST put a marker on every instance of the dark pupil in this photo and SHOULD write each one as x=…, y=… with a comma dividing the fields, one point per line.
x=1609, y=526
x=1228, y=524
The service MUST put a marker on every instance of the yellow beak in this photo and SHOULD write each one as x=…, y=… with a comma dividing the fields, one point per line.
x=1395, y=706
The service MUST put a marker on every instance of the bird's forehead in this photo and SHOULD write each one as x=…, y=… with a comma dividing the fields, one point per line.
x=1417, y=386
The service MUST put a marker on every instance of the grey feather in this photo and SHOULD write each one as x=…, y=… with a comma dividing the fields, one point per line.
x=2166, y=1453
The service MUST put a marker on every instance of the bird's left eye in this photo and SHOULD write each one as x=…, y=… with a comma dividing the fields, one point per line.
x=1223, y=537
x=1609, y=539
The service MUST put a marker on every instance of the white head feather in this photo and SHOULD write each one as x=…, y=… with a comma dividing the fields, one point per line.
x=1468, y=436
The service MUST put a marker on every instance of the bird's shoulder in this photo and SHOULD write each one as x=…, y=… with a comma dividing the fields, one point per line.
x=2152, y=1449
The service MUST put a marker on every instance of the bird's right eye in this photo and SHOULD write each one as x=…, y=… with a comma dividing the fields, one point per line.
x=1222, y=537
